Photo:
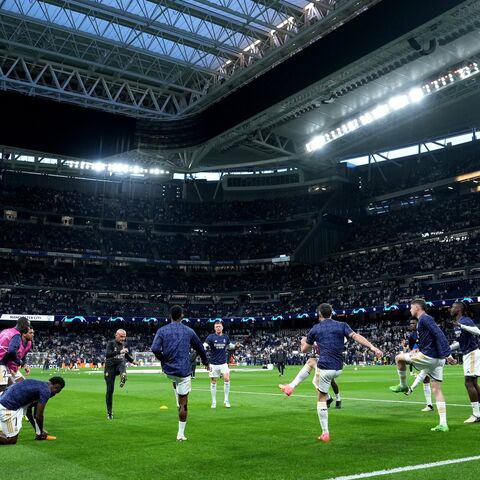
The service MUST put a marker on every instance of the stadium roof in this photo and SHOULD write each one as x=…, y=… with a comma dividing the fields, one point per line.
x=159, y=58
x=229, y=83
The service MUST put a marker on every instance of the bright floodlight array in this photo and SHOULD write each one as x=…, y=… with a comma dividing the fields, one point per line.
x=395, y=103
x=118, y=168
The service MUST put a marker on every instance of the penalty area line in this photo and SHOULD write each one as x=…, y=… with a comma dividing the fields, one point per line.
x=408, y=468
x=376, y=400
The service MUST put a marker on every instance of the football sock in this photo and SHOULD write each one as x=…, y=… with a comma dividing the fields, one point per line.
x=181, y=428
x=323, y=415
x=213, y=390
x=442, y=412
x=428, y=393
x=475, y=408
x=301, y=376
x=419, y=379
x=402, y=375
x=226, y=390
x=337, y=397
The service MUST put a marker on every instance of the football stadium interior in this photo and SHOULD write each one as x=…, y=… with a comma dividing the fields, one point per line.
x=248, y=160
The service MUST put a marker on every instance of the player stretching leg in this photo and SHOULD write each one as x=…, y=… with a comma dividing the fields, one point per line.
x=17, y=398
x=171, y=346
x=303, y=374
x=115, y=364
x=329, y=335
x=466, y=332
x=413, y=347
x=429, y=359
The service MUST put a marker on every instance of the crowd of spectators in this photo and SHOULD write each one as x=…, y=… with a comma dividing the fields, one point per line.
x=92, y=303
x=26, y=235
x=158, y=209
x=372, y=277
x=410, y=222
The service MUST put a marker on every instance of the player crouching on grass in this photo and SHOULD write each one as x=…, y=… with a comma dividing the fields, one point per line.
x=21, y=395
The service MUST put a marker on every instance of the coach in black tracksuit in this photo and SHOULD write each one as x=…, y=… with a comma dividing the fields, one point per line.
x=115, y=364
x=281, y=360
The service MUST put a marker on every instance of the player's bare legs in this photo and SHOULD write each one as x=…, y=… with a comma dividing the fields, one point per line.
x=182, y=417
x=336, y=391
x=8, y=440
x=174, y=385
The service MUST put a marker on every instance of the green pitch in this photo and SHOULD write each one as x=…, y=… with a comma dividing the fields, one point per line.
x=265, y=435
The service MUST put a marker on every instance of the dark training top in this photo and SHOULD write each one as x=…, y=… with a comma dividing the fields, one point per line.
x=171, y=346
x=431, y=340
x=218, y=348
x=24, y=393
x=412, y=341
x=468, y=341
x=113, y=356
x=330, y=338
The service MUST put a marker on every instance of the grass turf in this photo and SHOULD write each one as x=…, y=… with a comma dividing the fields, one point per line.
x=265, y=435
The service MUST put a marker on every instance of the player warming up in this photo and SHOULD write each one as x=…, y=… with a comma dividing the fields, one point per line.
x=329, y=335
x=466, y=333
x=116, y=364
x=25, y=347
x=219, y=344
x=303, y=374
x=10, y=342
x=413, y=347
x=171, y=346
x=429, y=359
x=21, y=395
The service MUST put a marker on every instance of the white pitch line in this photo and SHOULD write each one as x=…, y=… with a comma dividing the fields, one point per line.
x=408, y=468
x=343, y=398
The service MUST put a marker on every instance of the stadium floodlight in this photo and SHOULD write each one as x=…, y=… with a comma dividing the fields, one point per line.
x=366, y=118
x=415, y=95
x=316, y=143
x=118, y=168
x=397, y=102
x=99, y=167
x=380, y=111
x=353, y=125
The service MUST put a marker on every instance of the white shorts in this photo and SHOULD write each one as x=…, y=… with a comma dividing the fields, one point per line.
x=471, y=364
x=184, y=384
x=10, y=421
x=218, y=370
x=4, y=375
x=323, y=379
x=433, y=367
